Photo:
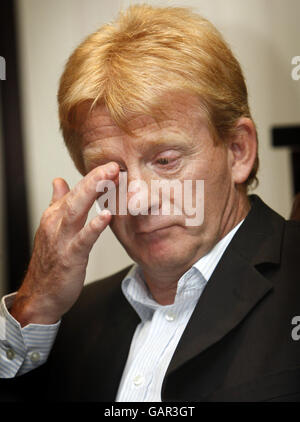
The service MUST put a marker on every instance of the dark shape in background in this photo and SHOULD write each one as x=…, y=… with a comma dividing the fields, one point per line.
x=17, y=237
x=289, y=136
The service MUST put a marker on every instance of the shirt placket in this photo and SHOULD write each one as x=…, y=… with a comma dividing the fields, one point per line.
x=144, y=371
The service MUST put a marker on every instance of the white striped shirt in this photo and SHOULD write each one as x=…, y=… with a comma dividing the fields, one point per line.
x=153, y=343
x=22, y=349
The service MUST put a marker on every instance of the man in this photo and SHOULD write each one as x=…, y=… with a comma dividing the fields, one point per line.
x=206, y=313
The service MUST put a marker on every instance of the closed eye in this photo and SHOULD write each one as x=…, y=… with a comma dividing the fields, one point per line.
x=163, y=161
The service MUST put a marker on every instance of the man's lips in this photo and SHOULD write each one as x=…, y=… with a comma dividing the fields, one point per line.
x=154, y=230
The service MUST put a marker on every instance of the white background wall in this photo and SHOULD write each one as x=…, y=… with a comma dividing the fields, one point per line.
x=265, y=36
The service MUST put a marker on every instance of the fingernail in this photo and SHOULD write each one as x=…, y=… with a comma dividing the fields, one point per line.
x=105, y=212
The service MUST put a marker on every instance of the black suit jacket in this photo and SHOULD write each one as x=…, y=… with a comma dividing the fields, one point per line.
x=237, y=346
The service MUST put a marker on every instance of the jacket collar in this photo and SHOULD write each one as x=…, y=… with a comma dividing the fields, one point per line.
x=259, y=238
x=236, y=285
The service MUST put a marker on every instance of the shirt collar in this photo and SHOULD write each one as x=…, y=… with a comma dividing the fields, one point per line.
x=138, y=295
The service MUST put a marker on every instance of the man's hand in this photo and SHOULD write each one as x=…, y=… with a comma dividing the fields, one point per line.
x=62, y=245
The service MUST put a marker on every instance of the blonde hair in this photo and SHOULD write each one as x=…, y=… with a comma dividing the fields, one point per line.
x=129, y=64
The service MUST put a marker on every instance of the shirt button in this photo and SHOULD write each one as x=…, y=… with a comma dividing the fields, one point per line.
x=138, y=380
x=35, y=357
x=170, y=317
x=10, y=354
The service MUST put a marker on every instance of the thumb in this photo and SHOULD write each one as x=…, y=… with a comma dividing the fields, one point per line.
x=60, y=188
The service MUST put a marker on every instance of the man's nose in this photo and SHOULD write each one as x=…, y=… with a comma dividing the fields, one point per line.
x=139, y=198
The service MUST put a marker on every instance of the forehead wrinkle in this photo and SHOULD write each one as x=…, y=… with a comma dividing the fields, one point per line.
x=99, y=124
x=93, y=130
x=96, y=133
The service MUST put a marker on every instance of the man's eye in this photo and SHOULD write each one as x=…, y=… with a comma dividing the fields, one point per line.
x=163, y=161
x=170, y=163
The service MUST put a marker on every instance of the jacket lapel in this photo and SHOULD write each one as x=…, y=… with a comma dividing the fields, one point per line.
x=237, y=284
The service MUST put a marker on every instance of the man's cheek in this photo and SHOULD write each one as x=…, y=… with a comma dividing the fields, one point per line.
x=119, y=225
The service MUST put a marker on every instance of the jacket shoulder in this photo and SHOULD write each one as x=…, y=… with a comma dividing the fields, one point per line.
x=293, y=228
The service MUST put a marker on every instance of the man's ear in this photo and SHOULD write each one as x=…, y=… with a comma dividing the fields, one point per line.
x=242, y=149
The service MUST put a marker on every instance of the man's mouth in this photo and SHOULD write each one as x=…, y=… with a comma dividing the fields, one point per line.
x=154, y=230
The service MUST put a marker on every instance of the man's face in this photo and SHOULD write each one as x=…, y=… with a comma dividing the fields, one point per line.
x=178, y=147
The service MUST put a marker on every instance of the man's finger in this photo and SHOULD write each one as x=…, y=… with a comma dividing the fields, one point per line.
x=84, y=194
x=88, y=235
x=60, y=188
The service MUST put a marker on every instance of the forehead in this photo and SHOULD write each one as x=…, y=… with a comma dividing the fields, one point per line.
x=181, y=115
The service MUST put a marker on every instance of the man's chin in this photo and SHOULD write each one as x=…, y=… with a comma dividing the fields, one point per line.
x=157, y=243
x=162, y=248
x=161, y=255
